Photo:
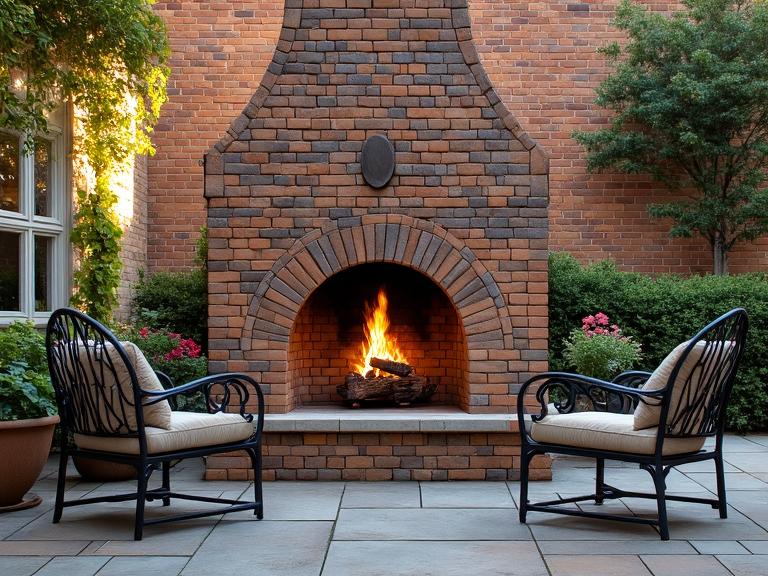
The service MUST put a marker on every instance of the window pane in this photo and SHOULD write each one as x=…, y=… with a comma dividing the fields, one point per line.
x=43, y=259
x=9, y=172
x=9, y=271
x=42, y=177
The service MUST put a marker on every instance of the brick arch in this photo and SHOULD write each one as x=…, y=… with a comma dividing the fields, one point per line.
x=397, y=239
x=392, y=238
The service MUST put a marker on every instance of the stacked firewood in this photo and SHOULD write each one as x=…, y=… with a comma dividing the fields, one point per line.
x=400, y=385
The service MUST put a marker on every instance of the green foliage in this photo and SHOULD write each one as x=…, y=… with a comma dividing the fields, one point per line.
x=599, y=350
x=201, y=249
x=662, y=312
x=689, y=93
x=177, y=357
x=108, y=58
x=96, y=235
x=25, y=387
x=176, y=301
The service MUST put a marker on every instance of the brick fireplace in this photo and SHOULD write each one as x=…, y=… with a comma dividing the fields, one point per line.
x=299, y=242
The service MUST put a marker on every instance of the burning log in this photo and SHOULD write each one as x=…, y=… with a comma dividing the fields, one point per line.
x=380, y=353
x=402, y=391
x=392, y=367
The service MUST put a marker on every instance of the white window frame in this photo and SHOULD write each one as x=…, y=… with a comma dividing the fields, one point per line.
x=28, y=225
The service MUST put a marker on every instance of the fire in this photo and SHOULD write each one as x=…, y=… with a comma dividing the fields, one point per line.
x=377, y=344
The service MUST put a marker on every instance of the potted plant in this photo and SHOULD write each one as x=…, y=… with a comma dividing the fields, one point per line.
x=27, y=413
x=600, y=350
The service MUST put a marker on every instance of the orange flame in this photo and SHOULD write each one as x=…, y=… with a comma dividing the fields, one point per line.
x=378, y=344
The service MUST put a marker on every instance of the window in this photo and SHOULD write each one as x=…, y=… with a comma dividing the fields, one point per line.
x=33, y=208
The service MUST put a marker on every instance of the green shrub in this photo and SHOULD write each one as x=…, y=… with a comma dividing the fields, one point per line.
x=662, y=312
x=599, y=349
x=25, y=387
x=175, y=301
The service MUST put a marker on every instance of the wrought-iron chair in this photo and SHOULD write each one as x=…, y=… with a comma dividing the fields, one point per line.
x=113, y=407
x=680, y=404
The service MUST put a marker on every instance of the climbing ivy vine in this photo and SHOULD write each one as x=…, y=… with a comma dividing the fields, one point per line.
x=108, y=59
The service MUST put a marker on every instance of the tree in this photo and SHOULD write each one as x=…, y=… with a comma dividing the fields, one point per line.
x=107, y=58
x=690, y=96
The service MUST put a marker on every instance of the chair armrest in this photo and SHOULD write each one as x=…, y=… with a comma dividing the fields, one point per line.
x=165, y=380
x=572, y=385
x=221, y=391
x=633, y=378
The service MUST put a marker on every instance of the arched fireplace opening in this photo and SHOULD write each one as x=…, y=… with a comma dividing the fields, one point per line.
x=328, y=335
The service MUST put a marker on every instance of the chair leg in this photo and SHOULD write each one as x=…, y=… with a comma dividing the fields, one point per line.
x=599, y=480
x=255, y=455
x=524, y=461
x=661, y=502
x=722, y=503
x=60, y=483
x=166, y=482
x=141, y=497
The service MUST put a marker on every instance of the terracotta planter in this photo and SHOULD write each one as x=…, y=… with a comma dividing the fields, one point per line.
x=94, y=470
x=24, y=448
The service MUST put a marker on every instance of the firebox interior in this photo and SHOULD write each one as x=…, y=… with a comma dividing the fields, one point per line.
x=327, y=337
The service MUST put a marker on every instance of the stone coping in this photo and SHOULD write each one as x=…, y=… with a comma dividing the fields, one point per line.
x=406, y=419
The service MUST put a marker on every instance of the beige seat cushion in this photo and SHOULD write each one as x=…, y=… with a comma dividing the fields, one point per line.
x=187, y=430
x=647, y=416
x=156, y=415
x=606, y=431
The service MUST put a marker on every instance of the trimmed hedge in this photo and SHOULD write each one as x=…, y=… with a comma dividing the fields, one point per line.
x=662, y=312
x=175, y=301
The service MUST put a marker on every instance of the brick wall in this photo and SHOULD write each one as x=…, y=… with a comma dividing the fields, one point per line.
x=219, y=53
x=384, y=456
x=541, y=58
x=132, y=207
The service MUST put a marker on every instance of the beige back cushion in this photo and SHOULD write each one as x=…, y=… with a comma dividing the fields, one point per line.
x=156, y=415
x=648, y=416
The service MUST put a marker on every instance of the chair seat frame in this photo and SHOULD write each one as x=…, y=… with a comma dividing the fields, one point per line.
x=223, y=392
x=604, y=396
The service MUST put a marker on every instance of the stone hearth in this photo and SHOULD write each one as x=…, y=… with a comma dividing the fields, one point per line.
x=298, y=241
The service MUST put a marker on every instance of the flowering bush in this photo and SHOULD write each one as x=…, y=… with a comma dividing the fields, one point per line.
x=178, y=357
x=599, y=349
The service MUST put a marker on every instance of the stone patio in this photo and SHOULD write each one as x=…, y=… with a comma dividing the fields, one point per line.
x=405, y=528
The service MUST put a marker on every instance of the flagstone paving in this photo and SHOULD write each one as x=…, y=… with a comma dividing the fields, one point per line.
x=404, y=528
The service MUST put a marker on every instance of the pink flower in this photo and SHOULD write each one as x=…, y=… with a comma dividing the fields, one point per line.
x=144, y=332
x=599, y=324
x=601, y=319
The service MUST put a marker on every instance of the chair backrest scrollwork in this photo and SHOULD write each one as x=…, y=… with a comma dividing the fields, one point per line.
x=86, y=364
x=702, y=379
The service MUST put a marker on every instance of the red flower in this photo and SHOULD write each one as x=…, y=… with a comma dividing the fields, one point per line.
x=191, y=348
x=144, y=332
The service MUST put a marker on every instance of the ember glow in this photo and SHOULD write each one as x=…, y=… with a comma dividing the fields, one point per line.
x=377, y=344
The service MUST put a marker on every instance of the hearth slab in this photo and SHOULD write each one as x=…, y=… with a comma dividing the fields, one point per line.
x=410, y=419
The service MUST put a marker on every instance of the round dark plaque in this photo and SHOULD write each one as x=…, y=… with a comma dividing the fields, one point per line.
x=378, y=161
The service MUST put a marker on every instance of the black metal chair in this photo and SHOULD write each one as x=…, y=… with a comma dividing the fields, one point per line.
x=681, y=404
x=113, y=408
